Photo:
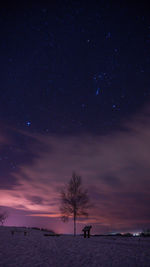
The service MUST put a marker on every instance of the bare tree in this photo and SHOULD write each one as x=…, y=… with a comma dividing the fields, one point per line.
x=3, y=217
x=74, y=200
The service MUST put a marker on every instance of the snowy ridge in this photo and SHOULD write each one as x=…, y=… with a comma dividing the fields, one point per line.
x=35, y=249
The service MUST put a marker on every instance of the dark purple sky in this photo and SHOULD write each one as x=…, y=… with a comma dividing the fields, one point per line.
x=74, y=96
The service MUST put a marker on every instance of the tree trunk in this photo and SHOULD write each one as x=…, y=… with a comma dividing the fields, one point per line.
x=74, y=224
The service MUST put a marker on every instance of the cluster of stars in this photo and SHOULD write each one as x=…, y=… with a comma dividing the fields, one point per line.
x=73, y=54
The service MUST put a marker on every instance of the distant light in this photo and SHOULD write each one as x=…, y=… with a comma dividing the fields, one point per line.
x=136, y=234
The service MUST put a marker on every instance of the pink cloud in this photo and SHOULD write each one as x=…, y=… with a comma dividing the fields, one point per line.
x=115, y=168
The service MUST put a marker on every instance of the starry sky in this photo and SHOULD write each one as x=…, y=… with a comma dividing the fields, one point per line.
x=74, y=96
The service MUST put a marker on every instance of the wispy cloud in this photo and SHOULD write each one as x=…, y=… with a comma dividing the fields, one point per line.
x=115, y=169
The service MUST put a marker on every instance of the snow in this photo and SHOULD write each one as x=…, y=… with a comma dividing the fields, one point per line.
x=35, y=249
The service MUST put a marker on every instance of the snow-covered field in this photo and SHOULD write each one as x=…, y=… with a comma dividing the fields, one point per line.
x=38, y=250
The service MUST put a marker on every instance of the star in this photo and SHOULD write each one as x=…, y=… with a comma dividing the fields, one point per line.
x=28, y=123
x=97, y=91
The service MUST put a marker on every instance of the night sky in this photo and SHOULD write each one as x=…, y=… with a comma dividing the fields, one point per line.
x=74, y=96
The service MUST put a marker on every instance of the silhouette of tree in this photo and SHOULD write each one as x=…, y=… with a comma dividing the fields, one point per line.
x=3, y=217
x=74, y=200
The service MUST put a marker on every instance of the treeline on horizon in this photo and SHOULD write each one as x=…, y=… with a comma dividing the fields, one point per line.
x=144, y=233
